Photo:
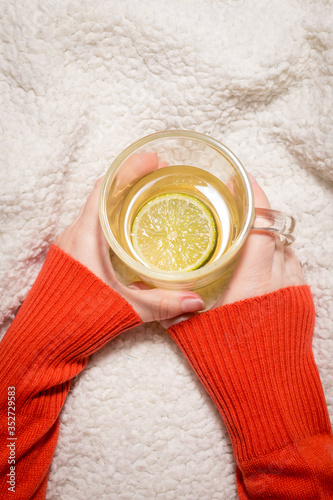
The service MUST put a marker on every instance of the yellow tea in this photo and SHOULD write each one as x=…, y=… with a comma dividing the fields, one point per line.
x=178, y=183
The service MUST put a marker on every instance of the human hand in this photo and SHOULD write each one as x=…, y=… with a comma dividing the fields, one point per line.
x=265, y=265
x=85, y=242
x=137, y=166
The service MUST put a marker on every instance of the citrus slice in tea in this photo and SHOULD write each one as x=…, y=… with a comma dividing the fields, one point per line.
x=174, y=232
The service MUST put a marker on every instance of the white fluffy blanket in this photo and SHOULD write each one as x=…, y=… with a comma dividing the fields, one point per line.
x=80, y=80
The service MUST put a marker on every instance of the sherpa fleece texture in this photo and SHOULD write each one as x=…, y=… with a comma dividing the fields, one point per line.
x=81, y=80
x=254, y=358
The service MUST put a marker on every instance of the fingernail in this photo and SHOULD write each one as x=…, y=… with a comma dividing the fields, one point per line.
x=252, y=178
x=192, y=305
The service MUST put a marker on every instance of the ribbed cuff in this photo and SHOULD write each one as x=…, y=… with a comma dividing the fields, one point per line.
x=68, y=314
x=255, y=359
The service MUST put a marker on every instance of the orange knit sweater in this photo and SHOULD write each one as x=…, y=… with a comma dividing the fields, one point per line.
x=254, y=358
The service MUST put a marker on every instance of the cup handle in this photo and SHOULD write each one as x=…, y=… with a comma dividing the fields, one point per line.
x=275, y=222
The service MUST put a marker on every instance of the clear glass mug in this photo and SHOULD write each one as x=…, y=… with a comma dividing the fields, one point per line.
x=120, y=199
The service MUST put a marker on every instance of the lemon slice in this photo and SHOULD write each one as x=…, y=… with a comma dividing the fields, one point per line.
x=174, y=232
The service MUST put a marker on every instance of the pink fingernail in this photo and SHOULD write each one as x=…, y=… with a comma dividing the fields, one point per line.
x=252, y=178
x=192, y=305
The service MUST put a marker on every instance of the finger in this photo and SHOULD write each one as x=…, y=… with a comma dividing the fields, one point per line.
x=139, y=285
x=91, y=205
x=293, y=268
x=162, y=164
x=167, y=323
x=78, y=215
x=158, y=304
x=260, y=198
x=278, y=270
x=141, y=163
x=89, y=225
x=135, y=167
x=89, y=218
x=230, y=185
x=253, y=270
x=257, y=238
x=259, y=241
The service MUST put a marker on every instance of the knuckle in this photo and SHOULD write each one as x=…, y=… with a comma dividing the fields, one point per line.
x=163, y=308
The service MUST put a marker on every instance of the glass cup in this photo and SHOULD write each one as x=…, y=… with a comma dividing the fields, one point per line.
x=142, y=172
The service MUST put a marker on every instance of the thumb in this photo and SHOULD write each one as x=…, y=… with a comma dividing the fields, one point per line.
x=158, y=304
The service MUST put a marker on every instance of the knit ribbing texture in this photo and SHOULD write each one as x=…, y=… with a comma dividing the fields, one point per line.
x=68, y=315
x=268, y=339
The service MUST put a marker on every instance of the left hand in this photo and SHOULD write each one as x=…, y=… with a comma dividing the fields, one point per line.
x=85, y=242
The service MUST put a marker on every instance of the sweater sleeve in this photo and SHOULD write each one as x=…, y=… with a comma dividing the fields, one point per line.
x=255, y=360
x=68, y=314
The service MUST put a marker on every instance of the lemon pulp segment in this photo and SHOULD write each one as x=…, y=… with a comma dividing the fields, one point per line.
x=174, y=232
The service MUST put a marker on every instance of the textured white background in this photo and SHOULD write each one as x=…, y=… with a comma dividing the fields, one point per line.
x=79, y=81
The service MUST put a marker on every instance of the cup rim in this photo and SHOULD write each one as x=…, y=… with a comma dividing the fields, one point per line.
x=177, y=276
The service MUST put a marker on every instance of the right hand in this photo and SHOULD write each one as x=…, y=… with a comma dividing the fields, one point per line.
x=265, y=265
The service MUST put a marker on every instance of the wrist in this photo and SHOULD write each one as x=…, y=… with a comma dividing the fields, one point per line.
x=68, y=314
x=255, y=359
